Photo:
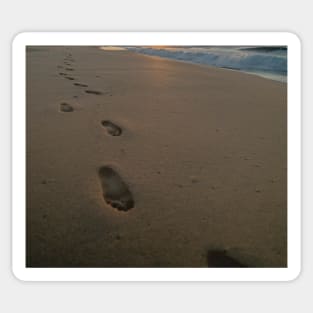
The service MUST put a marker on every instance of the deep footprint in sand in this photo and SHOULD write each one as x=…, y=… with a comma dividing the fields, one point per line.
x=220, y=258
x=115, y=190
x=112, y=128
x=65, y=107
x=69, y=78
x=69, y=69
x=93, y=92
x=80, y=85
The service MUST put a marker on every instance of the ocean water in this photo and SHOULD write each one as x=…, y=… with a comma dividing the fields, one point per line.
x=266, y=61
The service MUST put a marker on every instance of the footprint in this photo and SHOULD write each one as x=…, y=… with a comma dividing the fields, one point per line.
x=80, y=85
x=112, y=128
x=93, y=92
x=69, y=78
x=219, y=258
x=115, y=190
x=62, y=74
x=65, y=107
x=69, y=69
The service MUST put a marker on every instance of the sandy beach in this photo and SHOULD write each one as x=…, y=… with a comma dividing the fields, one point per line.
x=141, y=161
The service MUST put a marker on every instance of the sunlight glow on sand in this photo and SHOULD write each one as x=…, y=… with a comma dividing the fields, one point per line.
x=112, y=48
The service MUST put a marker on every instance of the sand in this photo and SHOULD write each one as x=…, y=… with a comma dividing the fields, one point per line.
x=139, y=161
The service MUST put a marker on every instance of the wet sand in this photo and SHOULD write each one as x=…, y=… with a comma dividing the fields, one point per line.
x=139, y=161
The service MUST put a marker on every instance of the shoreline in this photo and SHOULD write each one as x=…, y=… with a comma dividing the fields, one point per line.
x=265, y=76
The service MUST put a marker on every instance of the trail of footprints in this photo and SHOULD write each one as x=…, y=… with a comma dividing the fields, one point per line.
x=68, y=67
x=115, y=191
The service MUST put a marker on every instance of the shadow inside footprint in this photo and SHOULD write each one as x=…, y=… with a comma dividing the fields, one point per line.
x=112, y=128
x=65, y=107
x=93, y=92
x=69, y=78
x=80, y=85
x=115, y=190
x=69, y=69
x=219, y=258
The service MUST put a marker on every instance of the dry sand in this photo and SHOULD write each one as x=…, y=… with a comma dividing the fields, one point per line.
x=192, y=161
